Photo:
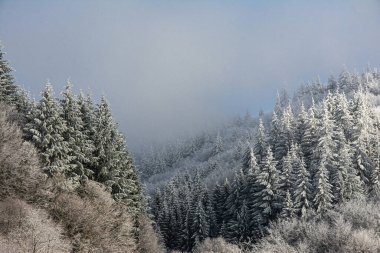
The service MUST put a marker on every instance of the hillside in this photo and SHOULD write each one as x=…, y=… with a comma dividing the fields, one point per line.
x=217, y=153
x=315, y=151
x=68, y=183
x=280, y=182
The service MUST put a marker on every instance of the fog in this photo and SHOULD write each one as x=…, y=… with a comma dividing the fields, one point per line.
x=170, y=68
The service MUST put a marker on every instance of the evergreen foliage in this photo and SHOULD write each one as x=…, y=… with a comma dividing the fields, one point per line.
x=312, y=158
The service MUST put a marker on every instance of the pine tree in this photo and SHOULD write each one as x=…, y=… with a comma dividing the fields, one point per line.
x=286, y=174
x=302, y=189
x=286, y=136
x=261, y=144
x=250, y=171
x=361, y=134
x=288, y=210
x=323, y=196
x=8, y=90
x=200, y=224
x=211, y=214
x=339, y=173
x=374, y=178
x=79, y=145
x=267, y=200
x=275, y=132
x=218, y=145
x=301, y=125
x=220, y=196
x=234, y=202
x=249, y=159
x=310, y=139
x=241, y=225
x=125, y=181
x=87, y=114
x=342, y=115
x=46, y=130
x=104, y=141
x=324, y=161
x=345, y=80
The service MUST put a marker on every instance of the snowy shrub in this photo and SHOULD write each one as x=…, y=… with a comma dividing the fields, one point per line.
x=19, y=166
x=149, y=242
x=94, y=221
x=350, y=228
x=217, y=245
x=24, y=228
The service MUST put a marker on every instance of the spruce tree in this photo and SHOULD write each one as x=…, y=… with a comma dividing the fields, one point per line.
x=79, y=145
x=104, y=141
x=46, y=130
x=323, y=195
x=124, y=177
x=241, y=225
x=361, y=134
x=310, y=139
x=288, y=210
x=261, y=143
x=286, y=174
x=218, y=145
x=25, y=106
x=8, y=90
x=374, y=178
x=249, y=159
x=342, y=115
x=200, y=224
x=267, y=199
x=286, y=136
x=87, y=114
x=301, y=125
x=324, y=161
x=275, y=132
x=302, y=189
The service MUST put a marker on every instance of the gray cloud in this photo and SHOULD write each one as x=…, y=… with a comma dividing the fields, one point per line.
x=172, y=67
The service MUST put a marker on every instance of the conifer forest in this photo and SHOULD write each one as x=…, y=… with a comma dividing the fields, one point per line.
x=300, y=175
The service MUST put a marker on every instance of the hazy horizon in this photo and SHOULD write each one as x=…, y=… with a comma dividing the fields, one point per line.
x=170, y=68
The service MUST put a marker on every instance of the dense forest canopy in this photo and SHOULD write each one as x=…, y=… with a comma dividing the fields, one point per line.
x=315, y=151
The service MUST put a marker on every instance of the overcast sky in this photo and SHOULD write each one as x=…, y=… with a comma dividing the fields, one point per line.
x=173, y=67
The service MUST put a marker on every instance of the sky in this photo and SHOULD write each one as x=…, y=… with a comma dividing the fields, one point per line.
x=172, y=68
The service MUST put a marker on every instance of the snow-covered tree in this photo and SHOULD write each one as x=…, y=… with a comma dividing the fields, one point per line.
x=87, y=114
x=286, y=136
x=275, y=132
x=79, y=144
x=46, y=130
x=266, y=203
x=261, y=144
x=323, y=194
x=126, y=186
x=288, y=210
x=324, y=161
x=361, y=134
x=8, y=90
x=301, y=125
x=310, y=139
x=218, y=144
x=200, y=225
x=104, y=141
x=302, y=189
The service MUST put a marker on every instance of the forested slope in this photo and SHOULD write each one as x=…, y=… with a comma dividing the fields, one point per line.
x=68, y=182
x=314, y=152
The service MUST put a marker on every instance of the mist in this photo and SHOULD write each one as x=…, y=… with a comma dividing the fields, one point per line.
x=170, y=68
